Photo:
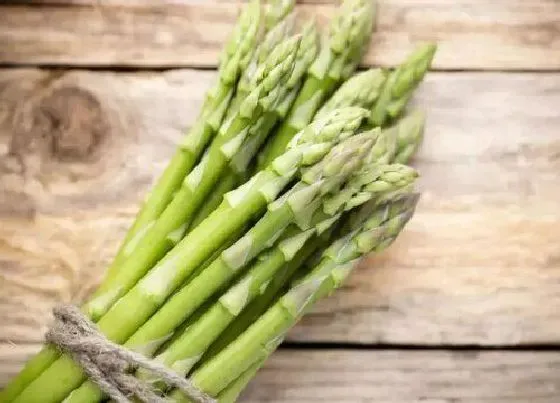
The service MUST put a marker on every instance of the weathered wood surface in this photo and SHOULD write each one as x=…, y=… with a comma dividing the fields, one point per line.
x=472, y=34
x=390, y=376
x=478, y=264
x=407, y=377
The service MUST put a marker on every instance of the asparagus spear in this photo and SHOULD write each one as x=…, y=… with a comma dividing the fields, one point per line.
x=410, y=130
x=349, y=31
x=274, y=37
x=260, y=339
x=238, y=208
x=240, y=165
x=233, y=60
x=276, y=10
x=361, y=90
x=401, y=84
x=170, y=226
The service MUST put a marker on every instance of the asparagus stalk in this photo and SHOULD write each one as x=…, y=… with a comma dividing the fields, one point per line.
x=273, y=38
x=401, y=84
x=170, y=226
x=240, y=165
x=237, y=209
x=350, y=30
x=260, y=339
x=231, y=393
x=233, y=60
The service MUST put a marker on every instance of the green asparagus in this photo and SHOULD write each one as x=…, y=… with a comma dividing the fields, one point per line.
x=238, y=207
x=401, y=84
x=360, y=90
x=390, y=142
x=376, y=233
x=350, y=30
x=184, y=353
x=231, y=393
x=183, y=303
x=410, y=130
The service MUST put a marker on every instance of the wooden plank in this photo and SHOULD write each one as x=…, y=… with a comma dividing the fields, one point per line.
x=472, y=34
x=478, y=264
x=389, y=376
x=407, y=376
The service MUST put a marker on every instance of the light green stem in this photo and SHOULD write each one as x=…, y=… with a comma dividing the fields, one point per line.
x=234, y=389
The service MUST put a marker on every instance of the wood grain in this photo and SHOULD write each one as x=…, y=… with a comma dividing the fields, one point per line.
x=472, y=34
x=390, y=376
x=478, y=264
x=407, y=377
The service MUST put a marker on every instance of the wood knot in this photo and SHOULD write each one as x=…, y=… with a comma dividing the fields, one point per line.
x=77, y=122
x=67, y=123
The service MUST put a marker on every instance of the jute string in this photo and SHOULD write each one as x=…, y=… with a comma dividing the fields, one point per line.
x=109, y=365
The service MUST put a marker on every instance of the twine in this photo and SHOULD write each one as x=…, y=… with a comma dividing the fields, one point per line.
x=109, y=365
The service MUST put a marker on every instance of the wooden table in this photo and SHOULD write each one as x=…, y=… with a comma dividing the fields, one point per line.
x=464, y=307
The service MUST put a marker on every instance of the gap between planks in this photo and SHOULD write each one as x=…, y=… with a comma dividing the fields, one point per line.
x=386, y=376
x=472, y=34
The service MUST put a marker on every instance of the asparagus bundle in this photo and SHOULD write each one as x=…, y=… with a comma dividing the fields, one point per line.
x=201, y=262
x=187, y=349
x=240, y=206
x=375, y=233
x=314, y=183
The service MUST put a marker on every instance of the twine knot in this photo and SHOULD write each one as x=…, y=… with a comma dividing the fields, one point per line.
x=110, y=365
